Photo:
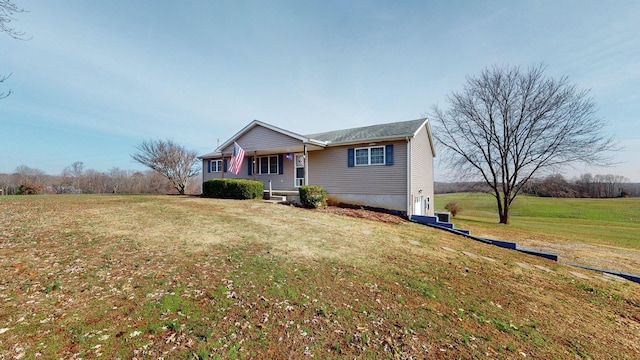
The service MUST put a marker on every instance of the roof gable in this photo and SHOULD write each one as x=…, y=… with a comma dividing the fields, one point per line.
x=256, y=123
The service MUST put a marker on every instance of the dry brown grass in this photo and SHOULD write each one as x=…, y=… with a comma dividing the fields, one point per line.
x=185, y=277
x=570, y=251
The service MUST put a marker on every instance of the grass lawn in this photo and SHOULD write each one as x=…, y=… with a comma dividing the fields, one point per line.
x=183, y=277
x=597, y=232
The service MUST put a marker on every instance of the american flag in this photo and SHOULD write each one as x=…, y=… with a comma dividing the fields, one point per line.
x=236, y=159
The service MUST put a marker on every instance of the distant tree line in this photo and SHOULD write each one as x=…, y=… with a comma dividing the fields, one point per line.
x=75, y=179
x=584, y=186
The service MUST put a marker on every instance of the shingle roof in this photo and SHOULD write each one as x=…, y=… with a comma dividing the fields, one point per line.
x=211, y=155
x=368, y=133
x=397, y=130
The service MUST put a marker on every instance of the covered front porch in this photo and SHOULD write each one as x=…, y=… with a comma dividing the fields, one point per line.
x=277, y=157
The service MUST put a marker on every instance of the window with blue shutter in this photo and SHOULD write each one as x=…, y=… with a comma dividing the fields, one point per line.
x=250, y=165
x=370, y=155
x=225, y=165
x=215, y=166
x=268, y=165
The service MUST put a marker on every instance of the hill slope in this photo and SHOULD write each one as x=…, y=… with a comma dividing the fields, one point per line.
x=160, y=276
x=602, y=233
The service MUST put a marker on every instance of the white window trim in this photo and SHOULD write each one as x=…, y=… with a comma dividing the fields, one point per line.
x=368, y=148
x=268, y=157
x=217, y=167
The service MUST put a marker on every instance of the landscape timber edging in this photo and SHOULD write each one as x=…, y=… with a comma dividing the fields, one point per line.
x=514, y=246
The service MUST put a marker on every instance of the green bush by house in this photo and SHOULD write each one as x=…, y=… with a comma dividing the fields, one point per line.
x=313, y=196
x=233, y=189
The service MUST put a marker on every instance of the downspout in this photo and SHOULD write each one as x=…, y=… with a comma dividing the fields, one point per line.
x=409, y=199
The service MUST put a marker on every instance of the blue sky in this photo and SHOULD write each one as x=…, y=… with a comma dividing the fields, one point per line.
x=98, y=77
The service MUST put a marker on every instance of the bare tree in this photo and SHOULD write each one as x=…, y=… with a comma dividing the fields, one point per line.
x=95, y=182
x=6, y=93
x=31, y=181
x=7, y=185
x=509, y=124
x=609, y=186
x=74, y=172
x=72, y=175
x=7, y=10
x=118, y=179
x=171, y=160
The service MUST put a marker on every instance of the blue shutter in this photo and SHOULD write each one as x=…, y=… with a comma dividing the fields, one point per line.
x=250, y=165
x=388, y=149
x=280, y=165
x=350, y=157
x=209, y=166
x=225, y=165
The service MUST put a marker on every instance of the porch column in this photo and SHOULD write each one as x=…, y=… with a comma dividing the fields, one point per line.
x=306, y=162
x=253, y=163
x=222, y=172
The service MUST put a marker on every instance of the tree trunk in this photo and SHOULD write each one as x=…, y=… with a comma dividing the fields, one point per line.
x=503, y=208
x=504, y=213
x=504, y=217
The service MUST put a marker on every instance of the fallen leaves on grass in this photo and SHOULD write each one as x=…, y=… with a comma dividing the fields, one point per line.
x=80, y=277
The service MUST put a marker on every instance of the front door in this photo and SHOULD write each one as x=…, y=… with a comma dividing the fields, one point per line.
x=299, y=170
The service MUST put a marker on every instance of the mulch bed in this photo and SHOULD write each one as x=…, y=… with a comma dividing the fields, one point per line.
x=363, y=213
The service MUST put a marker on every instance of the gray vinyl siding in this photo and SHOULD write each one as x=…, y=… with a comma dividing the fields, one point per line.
x=278, y=182
x=328, y=168
x=422, y=167
x=206, y=175
x=261, y=138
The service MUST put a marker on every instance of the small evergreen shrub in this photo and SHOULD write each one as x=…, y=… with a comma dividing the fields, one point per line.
x=233, y=189
x=453, y=207
x=313, y=196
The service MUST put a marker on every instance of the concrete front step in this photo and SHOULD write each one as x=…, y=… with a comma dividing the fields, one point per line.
x=276, y=198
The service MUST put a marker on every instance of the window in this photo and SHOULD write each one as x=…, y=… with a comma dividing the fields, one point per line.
x=373, y=155
x=362, y=156
x=268, y=165
x=273, y=164
x=215, y=165
x=376, y=155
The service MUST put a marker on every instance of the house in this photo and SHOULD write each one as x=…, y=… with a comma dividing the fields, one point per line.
x=387, y=166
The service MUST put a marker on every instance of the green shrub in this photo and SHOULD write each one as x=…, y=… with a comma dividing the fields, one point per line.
x=233, y=189
x=313, y=196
